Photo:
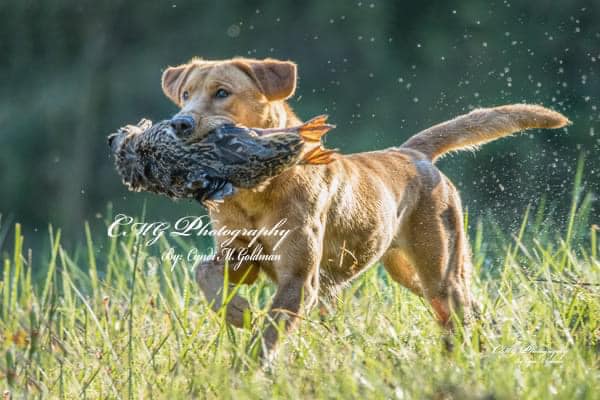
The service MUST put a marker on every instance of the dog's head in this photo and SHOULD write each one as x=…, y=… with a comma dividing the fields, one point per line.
x=240, y=90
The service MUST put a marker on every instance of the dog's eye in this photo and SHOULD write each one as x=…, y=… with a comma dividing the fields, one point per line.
x=221, y=94
x=185, y=95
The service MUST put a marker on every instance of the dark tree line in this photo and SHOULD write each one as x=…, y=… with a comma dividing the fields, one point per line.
x=73, y=71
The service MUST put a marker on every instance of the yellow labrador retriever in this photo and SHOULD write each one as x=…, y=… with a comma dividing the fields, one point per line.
x=392, y=205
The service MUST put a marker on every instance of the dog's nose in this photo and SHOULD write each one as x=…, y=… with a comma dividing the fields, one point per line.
x=183, y=125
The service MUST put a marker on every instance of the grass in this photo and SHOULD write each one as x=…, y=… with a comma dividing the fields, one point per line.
x=110, y=320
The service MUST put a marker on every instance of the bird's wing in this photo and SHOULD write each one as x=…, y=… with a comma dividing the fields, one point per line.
x=237, y=145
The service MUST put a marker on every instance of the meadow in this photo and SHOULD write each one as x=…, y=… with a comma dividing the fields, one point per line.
x=110, y=319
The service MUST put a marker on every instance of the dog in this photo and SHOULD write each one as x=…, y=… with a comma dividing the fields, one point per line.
x=392, y=206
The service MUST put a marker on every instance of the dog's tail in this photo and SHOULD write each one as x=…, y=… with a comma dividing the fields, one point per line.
x=469, y=131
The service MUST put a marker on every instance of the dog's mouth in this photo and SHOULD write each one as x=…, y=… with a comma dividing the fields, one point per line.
x=206, y=125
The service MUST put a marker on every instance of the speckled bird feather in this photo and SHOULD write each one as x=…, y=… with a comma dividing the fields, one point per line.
x=153, y=158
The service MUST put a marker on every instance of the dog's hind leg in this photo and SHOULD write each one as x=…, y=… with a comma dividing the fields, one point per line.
x=400, y=269
x=441, y=254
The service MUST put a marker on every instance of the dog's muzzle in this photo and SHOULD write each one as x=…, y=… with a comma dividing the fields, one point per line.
x=183, y=125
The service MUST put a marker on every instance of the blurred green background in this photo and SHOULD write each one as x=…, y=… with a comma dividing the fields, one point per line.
x=74, y=71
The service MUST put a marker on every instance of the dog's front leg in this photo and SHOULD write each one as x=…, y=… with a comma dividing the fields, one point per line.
x=211, y=279
x=298, y=287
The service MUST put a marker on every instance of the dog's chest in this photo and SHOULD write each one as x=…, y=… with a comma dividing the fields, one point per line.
x=245, y=214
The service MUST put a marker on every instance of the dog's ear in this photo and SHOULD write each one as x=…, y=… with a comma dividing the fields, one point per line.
x=172, y=79
x=276, y=79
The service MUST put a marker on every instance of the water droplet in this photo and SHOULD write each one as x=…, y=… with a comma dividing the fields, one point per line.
x=233, y=31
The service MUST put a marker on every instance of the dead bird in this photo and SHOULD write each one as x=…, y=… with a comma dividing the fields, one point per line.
x=154, y=158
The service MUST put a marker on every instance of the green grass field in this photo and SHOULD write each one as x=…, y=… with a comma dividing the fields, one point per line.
x=109, y=321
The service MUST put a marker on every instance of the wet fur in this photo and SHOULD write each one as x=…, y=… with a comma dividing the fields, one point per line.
x=392, y=205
